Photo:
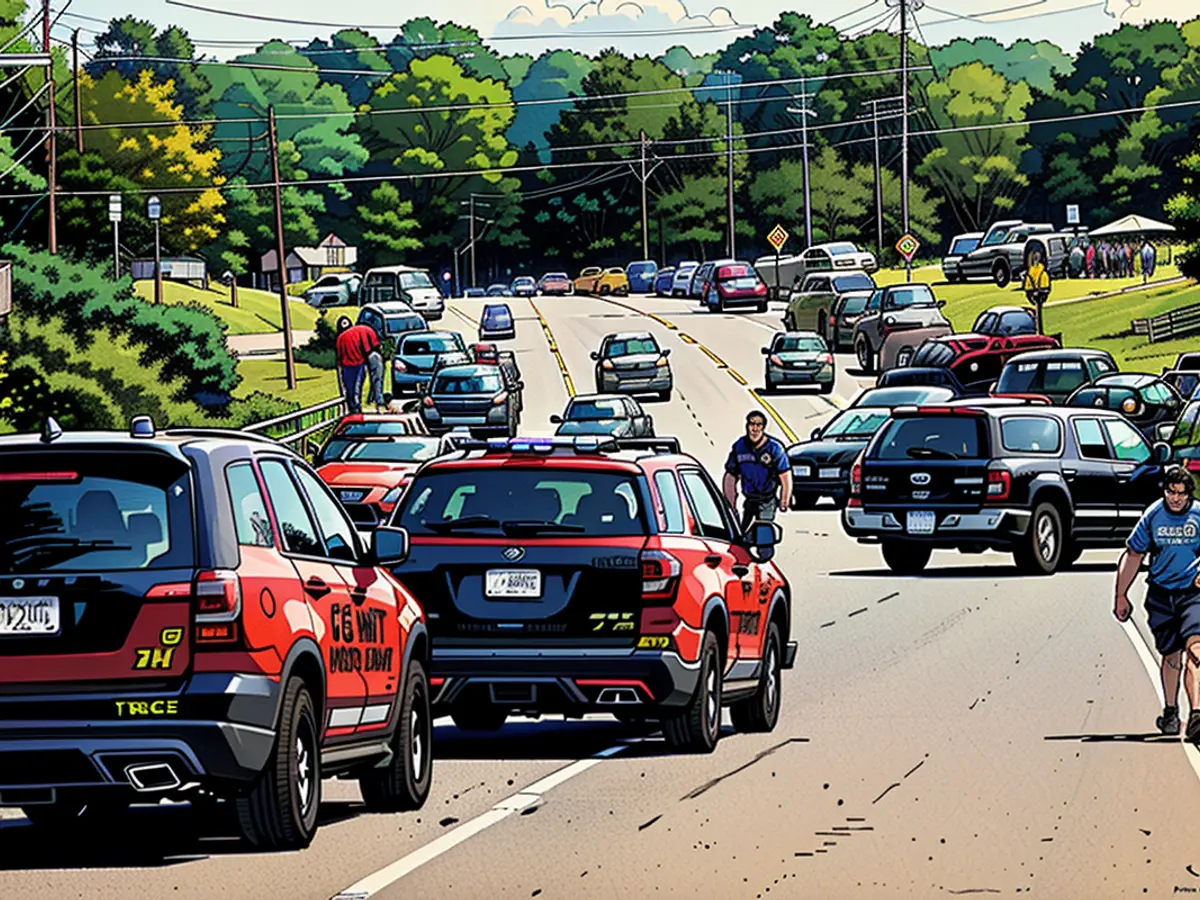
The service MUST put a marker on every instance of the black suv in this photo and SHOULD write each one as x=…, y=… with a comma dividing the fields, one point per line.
x=1042, y=482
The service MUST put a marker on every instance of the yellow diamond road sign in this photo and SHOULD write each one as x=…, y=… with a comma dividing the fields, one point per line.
x=908, y=246
x=778, y=237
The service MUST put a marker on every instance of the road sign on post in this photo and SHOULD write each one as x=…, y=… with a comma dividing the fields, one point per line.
x=114, y=216
x=1072, y=213
x=908, y=247
x=777, y=238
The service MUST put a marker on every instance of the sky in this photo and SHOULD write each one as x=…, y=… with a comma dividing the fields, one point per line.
x=636, y=26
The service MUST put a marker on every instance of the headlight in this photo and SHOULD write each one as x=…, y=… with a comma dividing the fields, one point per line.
x=393, y=495
x=662, y=362
x=607, y=364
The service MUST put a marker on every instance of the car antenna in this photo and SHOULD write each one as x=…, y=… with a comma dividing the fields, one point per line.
x=51, y=431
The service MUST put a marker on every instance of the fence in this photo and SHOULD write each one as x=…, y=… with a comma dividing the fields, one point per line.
x=1165, y=326
x=297, y=428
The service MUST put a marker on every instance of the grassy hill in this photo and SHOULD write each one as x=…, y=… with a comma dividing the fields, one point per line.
x=257, y=312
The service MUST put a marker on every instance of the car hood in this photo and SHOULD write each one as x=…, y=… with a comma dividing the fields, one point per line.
x=614, y=427
x=834, y=453
x=338, y=474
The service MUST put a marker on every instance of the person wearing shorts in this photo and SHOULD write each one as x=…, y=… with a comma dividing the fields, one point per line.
x=1170, y=532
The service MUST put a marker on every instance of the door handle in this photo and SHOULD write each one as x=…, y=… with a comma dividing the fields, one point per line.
x=741, y=571
x=1069, y=474
x=316, y=588
x=714, y=560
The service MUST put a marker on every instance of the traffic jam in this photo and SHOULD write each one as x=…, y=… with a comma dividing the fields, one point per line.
x=208, y=616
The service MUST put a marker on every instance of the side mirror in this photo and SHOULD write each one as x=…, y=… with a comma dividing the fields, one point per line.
x=1166, y=431
x=1162, y=453
x=389, y=546
x=595, y=355
x=520, y=386
x=766, y=351
x=941, y=304
x=666, y=351
x=556, y=419
x=816, y=433
x=761, y=538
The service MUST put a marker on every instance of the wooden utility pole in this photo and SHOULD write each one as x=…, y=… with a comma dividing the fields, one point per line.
x=730, y=240
x=279, y=250
x=645, y=220
x=904, y=125
x=472, y=245
x=52, y=138
x=78, y=100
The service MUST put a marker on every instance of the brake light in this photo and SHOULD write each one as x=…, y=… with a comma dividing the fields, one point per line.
x=659, y=620
x=999, y=484
x=776, y=359
x=833, y=320
x=660, y=575
x=760, y=289
x=39, y=476
x=827, y=359
x=500, y=398
x=428, y=401
x=164, y=591
x=218, y=607
x=855, y=484
x=1193, y=465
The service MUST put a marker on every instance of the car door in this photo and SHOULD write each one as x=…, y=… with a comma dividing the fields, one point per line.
x=328, y=599
x=374, y=602
x=731, y=563
x=1092, y=480
x=641, y=421
x=1138, y=476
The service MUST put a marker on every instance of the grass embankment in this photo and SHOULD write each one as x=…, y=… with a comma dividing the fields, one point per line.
x=257, y=312
x=270, y=375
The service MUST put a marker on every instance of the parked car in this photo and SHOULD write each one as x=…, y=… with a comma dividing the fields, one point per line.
x=1188, y=362
x=613, y=415
x=813, y=303
x=898, y=317
x=735, y=285
x=480, y=397
x=641, y=276
x=798, y=358
x=1184, y=436
x=705, y=278
x=474, y=292
x=390, y=320
x=587, y=280
x=499, y=290
x=1186, y=382
x=977, y=359
x=369, y=473
x=1145, y=400
x=1000, y=256
x=695, y=289
x=833, y=257
x=417, y=355
x=663, y=279
x=1041, y=482
x=912, y=376
x=335, y=289
x=524, y=286
x=555, y=284
x=629, y=560
x=631, y=362
x=1053, y=373
x=358, y=426
x=497, y=323
x=682, y=282
x=1006, y=321
x=821, y=465
x=612, y=281
x=960, y=246
x=179, y=636
x=414, y=286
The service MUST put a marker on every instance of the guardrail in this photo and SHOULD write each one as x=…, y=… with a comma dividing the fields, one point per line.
x=1179, y=322
x=297, y=428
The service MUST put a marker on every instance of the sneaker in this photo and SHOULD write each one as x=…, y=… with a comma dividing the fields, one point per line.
x=1193, y=727
x=1168, y=722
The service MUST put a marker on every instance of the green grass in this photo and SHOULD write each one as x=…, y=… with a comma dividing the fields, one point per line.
x=257, y=312
x=312, y=385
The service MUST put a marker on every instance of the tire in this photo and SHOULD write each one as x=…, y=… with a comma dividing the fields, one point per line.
x=822, y=323
x=804, y=501
x=1040, y=550
x=605, y=290
x=280, y=810
x=664, y=396
x=404, y=784
x=478, y=718
x=1070, y=554
x=827, y=388
x=697, y=728
x=760, y=713
x=904, y=357
x=1001, y=274
x=866, y=358
x=769, y=387
x=906, y=557
x=762, y=308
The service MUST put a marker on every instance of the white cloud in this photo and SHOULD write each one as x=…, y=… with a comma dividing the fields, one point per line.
x=611, y=15
x=1138, y=12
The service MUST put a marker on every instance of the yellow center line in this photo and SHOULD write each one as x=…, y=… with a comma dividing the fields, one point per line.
x=686, y=338
x=737, y=377
x=720, y=362
x=553, y=344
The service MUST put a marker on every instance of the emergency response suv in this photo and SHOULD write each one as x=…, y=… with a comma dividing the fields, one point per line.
x=579, y=575
x=190, y=615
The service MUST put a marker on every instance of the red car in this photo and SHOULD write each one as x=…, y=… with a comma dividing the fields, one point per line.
x=733, y=285
x=190, y=615
x=577, y=575
x=977, y=359
x=555, y=283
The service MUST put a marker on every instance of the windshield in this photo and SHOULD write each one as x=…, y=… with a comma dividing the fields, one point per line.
x=904, y=396
x=632, y=346
x=686, y=269
x=796, y=344
x=381, y=449
x=596, y=409
x=844, y=283
x=485, y=383
x=410, y=280
x=520, y=502
x=842, y=249
x=914, y=295
x=1049, y=376
x=523, y=281
x=434, y=343
x=999, y=236
x=933, y=354
x=931, y=437
x=400, y=324
x=963, y=246
x=94, y=512
x=498, y=314
x=857, y=423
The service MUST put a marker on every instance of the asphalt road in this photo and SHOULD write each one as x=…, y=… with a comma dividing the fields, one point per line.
x=965, y=731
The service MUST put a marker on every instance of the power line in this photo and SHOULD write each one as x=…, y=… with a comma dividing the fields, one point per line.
x=1037, y=15
x=853, y=12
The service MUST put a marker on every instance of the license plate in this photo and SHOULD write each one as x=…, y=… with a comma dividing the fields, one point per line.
x=921, y=521
x=513, y=583
x=831, y=473
x=29, y=616
x=801, y=471
x=351, y=496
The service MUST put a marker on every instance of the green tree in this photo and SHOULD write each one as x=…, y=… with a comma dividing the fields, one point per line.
x=355, y=52
x=978, y=171
x=132, y=37
x=422, y=38
x=553, y=76
x=837, y=197
x=388, y=225
x=1038, y=64
x=1184, y=211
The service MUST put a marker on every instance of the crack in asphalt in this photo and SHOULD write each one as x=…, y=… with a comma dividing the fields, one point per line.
x=975, y=891
x=885, y=793
x=709, y=785
x=646, y=825
x=914, y=768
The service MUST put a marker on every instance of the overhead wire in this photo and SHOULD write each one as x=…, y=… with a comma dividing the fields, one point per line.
x=1037, y=15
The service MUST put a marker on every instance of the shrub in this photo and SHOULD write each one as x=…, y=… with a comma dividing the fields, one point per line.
x=256, y=407
x=320, y=351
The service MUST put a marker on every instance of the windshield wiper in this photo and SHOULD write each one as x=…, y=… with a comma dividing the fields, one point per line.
x=515, y=528
x=66, y=548
x=479, y=521
x=930, y=453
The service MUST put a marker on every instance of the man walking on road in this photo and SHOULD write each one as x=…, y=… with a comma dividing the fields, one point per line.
x=1170, y=531
x=354, y=344
x=759, y=462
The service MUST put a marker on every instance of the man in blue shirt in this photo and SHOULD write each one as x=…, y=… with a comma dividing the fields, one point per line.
x=1170, y=531
x=759, y=462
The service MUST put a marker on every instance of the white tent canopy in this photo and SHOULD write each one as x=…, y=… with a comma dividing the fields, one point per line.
x=1131, y=225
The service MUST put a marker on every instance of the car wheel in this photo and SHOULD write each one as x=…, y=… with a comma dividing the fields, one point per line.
x=906, y=557
x=762, y=307
x=1001, y=274
x=1040, y=549
x=803, y=501
x=478, y=718
x=604, y=290
x=404, y=784
x=866, y=359
x=904, y=357
x=769, y=387
x=280, y=810
x=697, y=727
x=760, y=712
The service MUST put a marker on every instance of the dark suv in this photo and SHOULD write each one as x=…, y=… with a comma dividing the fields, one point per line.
x=483, y=398
x=631, y=362
x=1053, y=373
x=580, y=575
x=190, y=615
x=1042, y=482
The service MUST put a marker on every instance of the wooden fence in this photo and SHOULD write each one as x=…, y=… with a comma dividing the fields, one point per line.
x=1166, y=326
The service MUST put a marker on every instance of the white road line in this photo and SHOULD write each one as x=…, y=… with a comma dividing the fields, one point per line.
x=523, y=799
x=1152, y=669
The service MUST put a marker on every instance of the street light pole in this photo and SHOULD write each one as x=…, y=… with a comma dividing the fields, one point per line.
x=52, y=137
x=114, y=216
x=645, y=220
x=731, y=241
x=154, y=213
x=904, y=125
x=804, y=145
x=75, y=83
x=472, y=239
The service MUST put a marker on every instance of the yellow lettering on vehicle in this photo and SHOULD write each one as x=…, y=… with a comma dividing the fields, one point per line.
x=133, y=708
x=654, y=643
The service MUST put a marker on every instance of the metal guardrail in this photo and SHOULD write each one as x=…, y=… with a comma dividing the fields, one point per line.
x=1179, y=322
x=296, y=428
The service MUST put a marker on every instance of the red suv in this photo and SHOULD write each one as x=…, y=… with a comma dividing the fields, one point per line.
x=190, y=615
x=589, y=575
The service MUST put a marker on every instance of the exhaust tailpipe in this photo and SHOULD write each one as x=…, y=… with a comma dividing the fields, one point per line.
x=150, y=777
x=620, y=696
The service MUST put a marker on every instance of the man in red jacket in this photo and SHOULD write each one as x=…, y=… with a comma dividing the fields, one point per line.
x=354, y=344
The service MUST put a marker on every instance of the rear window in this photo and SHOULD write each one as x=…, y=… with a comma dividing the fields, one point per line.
x=641, y=268
x=794, y=344
x=932, y=437
x=1051, y=376
x=933, y=354
x=380, y=449
x=101, y=512
x=852, y=306
x=842, y=249
x=633, y=346
x=1031, y=434
x=596, y=409
x=380, y=288
x=436, y=343
x=729, y=272
x=918, y=295
x=557, y=276
x=488, y=383
x=844, y=283
x=411, y=280
x=523, y=503
x=368, y=428
x=401, y=324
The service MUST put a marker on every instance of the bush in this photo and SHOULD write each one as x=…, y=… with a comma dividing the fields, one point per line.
x=256, y=407
x=320, y=351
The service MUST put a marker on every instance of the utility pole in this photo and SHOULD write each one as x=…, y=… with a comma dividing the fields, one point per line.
x=52, y=139
x=904, y=124
x=472, y=239
x=78, y=100
x=874, y=104
x=730, y=242
x=279, y=250
x=645, y=217
x=804, y=112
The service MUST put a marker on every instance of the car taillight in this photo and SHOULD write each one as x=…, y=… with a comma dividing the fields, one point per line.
x=776, y=359
x=398, y=365
x=659, y=620
x=855, y=484
x=999, y=485
x=218, y=607
x=428, y=401
x=660, y=575
x=760, y=289
x=500, y=398
x=1193, y=465
x=833, y=320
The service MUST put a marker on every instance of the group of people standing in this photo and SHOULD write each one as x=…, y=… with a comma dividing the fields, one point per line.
x=1111, y=259
x=359, y=358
